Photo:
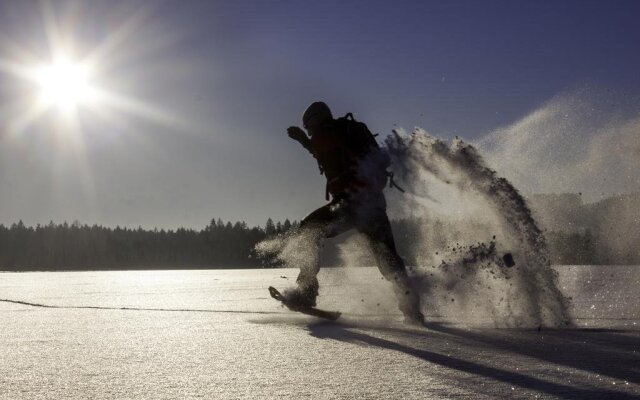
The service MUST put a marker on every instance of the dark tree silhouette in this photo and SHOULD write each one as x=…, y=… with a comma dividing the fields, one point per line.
x=84, y=247
x=222, y=244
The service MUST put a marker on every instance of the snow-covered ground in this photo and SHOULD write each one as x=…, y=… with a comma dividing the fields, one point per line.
x=218, y=334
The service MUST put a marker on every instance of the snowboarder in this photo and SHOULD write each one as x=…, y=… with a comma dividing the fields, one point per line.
x=356, y=171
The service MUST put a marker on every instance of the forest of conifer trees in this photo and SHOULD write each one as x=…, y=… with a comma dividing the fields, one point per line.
x=82, y=247
x=68, y=247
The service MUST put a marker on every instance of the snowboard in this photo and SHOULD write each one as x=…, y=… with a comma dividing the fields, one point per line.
x=315, y=312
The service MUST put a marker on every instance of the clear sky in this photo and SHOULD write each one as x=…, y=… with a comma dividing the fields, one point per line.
x=199, y=93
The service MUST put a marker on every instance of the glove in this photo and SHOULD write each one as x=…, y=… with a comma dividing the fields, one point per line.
x=297, y=134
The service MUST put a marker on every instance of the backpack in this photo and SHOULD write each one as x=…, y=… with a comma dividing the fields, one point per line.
x=372, y=161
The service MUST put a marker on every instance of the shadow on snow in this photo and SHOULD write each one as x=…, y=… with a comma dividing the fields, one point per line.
x=606, y=353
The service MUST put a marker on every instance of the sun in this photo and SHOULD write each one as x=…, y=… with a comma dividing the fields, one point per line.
x=64, y=84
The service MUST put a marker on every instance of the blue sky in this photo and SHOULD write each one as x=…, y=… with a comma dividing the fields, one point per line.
x=233, y=75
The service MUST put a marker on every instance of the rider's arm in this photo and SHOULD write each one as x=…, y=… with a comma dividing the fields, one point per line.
x=300, y=136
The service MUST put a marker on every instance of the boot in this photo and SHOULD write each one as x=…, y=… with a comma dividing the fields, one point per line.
x=408, y=300
x=305, y=294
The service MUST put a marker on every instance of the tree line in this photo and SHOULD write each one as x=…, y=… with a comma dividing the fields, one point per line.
x=75, y=246
x=82, y=247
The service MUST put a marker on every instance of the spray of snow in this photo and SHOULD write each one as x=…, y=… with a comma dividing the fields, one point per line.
x=582, y=141
x=472, y=223
x=297, y=248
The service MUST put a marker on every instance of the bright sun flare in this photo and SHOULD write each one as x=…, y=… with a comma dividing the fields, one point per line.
x=72, y=82
x=63, y=84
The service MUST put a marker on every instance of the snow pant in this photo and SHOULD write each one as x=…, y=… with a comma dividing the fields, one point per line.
x=365, y=212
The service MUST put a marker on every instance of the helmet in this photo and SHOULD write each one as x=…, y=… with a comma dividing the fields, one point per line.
x=317, y=110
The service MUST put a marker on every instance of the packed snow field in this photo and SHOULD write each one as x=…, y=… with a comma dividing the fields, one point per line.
x=218, y=334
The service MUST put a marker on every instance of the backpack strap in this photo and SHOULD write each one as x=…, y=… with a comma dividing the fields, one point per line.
x=392, y=183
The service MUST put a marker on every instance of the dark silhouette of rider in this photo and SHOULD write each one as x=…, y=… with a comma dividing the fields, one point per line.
x=357, y=202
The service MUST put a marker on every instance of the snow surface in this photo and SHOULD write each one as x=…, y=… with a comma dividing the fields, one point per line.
x=218, y=334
